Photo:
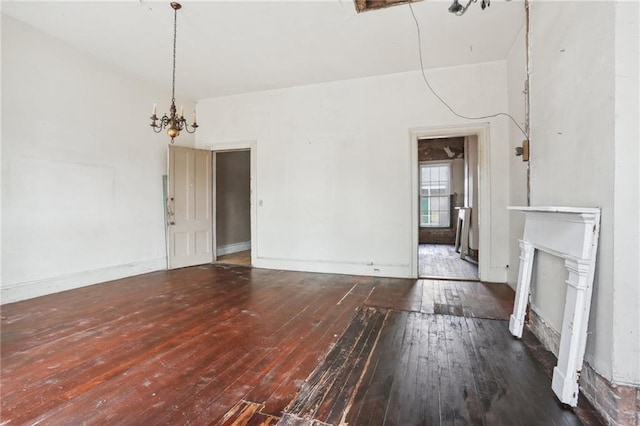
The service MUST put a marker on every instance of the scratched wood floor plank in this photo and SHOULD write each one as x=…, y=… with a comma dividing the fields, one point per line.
x=248, y=344
x=132, y=315
x=325, y=328
x=240, y=413
x=396, y=294
x=450, y=370
x=401, y=399
x=315, y=352
x=331, y=328
x=308, y=331
x=284, y=360
x=114, y=356
x=429, y=385
x=185, y=346
x=153, y=385
x=318, y=385
x=372, y=396
x=193, y=304
x=203, y=406
x=464, y=381
x=64, y=307
x=280, y=360
x=449, y=409
x=442, y=261
x=338, y=397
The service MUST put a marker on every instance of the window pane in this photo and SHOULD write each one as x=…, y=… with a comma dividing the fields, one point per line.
x=435, y=188
x=439, y=191
x=435, y=204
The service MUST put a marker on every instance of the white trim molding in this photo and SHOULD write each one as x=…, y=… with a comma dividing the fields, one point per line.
x=30, y=289
x=328, y=266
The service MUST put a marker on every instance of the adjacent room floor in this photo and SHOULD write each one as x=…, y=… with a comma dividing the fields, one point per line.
x=442, y=261
x=234, y=345
x=239, y=258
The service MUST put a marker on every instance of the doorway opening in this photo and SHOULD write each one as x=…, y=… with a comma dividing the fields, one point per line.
x=447, y=184
x=232, y=216
x=451, y=212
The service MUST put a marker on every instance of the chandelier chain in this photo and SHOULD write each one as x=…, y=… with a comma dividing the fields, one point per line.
x=175, y=29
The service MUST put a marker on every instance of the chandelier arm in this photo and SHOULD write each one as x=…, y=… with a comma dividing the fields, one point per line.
x=464, y=9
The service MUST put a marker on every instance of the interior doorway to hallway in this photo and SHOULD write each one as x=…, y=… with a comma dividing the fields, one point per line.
x=233, y=207
x=443, y=261
x=448, y=207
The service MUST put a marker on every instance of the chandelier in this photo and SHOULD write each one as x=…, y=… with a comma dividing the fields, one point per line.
x=459, y=10
x=174, y=123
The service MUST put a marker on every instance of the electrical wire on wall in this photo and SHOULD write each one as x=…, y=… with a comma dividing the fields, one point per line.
x=424, y=77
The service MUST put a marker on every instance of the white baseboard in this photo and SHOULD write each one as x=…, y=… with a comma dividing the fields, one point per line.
x=389, y=270
x=233, y=248
x=30, y=289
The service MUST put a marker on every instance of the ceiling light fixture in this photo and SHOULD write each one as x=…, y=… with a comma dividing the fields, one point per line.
x=459, y=10
x=174, y=122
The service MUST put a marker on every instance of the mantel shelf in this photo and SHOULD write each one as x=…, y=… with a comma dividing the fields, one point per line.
x=555, y=209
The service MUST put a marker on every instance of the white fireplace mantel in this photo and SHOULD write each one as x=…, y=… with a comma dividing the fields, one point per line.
x=572, y=234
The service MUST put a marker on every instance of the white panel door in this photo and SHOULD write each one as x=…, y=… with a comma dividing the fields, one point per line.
x=189, y=207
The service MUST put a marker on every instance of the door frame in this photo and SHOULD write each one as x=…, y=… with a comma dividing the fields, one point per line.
x=250, y=146
x=481, y=131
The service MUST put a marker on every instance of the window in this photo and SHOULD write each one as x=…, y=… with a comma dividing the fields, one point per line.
x=435, y=184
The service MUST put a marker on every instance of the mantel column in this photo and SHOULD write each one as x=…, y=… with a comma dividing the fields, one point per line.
x=516, y=322
x=574, y=332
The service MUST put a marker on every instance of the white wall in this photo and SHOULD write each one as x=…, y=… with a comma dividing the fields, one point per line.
x=583, y=131
x=334, y=171
x=626, y=267
x=516, y=77
x=572, y=126
x=81, y=168
x=546, y=268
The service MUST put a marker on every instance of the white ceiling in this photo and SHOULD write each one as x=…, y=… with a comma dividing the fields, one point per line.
x=243, y=46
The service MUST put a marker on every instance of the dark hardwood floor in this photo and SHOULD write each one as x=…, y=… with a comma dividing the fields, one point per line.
x=234, y=345
x=428, y=369
x=442, y=261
